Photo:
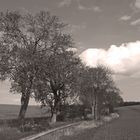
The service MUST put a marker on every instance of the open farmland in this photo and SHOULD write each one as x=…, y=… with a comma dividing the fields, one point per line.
x=11, y=111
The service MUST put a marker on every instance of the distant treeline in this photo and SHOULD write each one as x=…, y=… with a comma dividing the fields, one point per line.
x=130, y=103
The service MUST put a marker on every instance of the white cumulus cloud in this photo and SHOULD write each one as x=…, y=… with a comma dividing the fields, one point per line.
x=123, y=59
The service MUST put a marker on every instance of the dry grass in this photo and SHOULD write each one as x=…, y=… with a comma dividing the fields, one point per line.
x=9, y=112
x=86, y=129
x=11, y=133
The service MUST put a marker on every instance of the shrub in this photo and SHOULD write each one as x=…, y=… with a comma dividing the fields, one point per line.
x=73, y=112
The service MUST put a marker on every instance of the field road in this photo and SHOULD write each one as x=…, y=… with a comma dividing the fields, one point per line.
x=126, y=127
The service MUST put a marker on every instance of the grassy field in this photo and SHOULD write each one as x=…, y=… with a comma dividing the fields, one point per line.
x=11, y=111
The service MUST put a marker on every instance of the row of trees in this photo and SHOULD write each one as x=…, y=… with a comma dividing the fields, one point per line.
x=98, y=90
x=35, y=57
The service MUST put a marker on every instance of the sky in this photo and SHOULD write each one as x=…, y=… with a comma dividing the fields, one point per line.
x=104, y=31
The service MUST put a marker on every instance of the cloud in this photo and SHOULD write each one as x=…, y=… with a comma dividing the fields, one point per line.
x=97, y=9
x=136, y=22
x=137, y=4
x=93, y=8
x=85, y=8
x=64, y=3
x=124, y=60
x=81, y=7
x=67, y=3
x=125, y=18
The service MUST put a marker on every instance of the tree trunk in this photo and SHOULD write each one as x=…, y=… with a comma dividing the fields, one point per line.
x=92, y=110
x=97, y=112
x=96, y=108
x=23, y=108
x=95, y=104
x=53, y=118
x=25, y=101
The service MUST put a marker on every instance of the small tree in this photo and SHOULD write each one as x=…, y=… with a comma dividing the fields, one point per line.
x=94, y=82
x=112, y=98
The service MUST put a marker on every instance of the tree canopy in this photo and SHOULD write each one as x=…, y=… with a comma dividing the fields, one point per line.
x=35, y=57
x=27, y=41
